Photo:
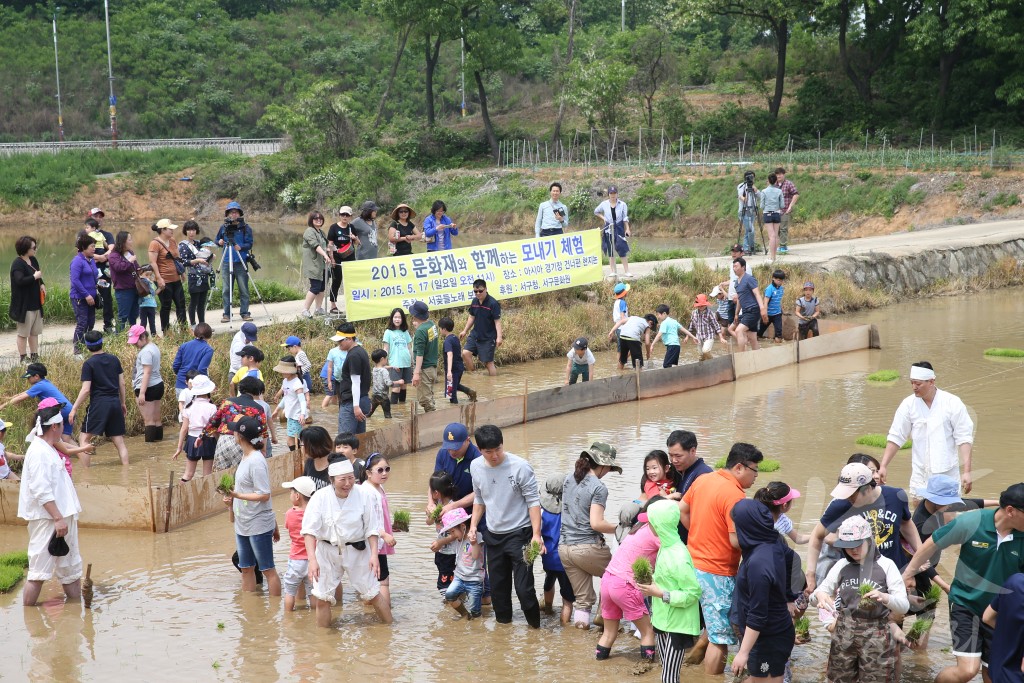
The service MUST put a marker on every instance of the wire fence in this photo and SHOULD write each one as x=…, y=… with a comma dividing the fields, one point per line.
x=650, y=149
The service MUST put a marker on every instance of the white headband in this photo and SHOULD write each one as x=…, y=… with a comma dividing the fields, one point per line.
x=337, y=469
x=921, y=374
x=55, y=420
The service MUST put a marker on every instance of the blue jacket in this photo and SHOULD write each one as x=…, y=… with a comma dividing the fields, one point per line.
x=193, y=355
x=550, y=531
x=243, y=238
x=442, y=241
x=761, y=594
x=84, y=275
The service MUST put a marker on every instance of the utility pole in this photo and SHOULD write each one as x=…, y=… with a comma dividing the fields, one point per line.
x=463, y=76
x=110, y=77
x=56, y=66
x=623, y=27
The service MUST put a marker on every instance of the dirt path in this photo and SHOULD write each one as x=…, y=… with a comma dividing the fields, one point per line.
x=57, y=338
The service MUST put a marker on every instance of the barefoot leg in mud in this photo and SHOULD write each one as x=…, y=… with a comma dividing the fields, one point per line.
x=696, y=653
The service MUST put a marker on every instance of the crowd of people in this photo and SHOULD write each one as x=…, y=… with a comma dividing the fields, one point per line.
x=724, y=575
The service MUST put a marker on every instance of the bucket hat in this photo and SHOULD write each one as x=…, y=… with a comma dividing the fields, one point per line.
x=602, y=454
x=852, y=532
x=551, y=496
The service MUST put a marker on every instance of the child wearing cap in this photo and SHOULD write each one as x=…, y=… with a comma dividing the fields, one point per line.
x=807, y=312
x=721, y=303
x=297, y=573
x=468, y=584
x=863, y=646
x=442, y=492
x=704, y=326
x=251, y=358
x=773, y=301
x=668, y=332
x=103, y=382
x=551, y=533
x=380, y=383
x=620, y=307
x=292, y=397
x=42, y=388
x=778, y=497
x=332, y=371
x=294, y=346
x=5, y=468
x=194, y=418
x=580, y=362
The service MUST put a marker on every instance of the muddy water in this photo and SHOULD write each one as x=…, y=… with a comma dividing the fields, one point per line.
x=161, y=598
x=278, y=246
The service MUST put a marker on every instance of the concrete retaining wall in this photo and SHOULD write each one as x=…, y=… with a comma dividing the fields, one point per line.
x=165, y=505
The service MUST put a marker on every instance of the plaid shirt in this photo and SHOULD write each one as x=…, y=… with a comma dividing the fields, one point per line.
x=788, y=192
x=704, y=324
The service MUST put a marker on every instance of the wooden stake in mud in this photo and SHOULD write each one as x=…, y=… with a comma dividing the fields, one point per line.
x=152, y=509
x=526, y=390
x=87, y=587
x=170, y=497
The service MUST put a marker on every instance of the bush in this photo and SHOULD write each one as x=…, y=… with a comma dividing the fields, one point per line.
x=649, y=202
x=377, y=176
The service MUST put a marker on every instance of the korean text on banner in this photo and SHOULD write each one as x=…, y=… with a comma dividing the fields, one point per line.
x=444, y=279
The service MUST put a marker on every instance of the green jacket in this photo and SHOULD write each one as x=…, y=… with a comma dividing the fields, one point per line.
x=673, y=573
x=313, y=265
x=424, y=343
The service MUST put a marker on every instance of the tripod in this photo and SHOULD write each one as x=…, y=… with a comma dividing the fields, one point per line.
x=755, y=217
x=229, y=246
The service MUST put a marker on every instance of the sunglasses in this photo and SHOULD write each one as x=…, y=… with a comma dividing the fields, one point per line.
x=479, y=291
x=345, y=214
x=382, y=470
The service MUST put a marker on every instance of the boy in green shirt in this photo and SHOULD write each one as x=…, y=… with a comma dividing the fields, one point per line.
x=424, y=350
x=991, y=550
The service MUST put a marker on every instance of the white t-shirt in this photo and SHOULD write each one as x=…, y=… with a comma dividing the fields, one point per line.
x=238, y=342
x=587, y=359
x=294, y=399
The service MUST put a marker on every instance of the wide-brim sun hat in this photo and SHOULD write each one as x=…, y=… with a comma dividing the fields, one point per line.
x=284, y=367
x=602, y=454
x=621, y=290
x=202, y=385
x=452, y=519
x=701, y=301
x=394, y=212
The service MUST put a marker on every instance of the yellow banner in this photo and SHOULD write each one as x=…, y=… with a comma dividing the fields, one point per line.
x=444, y=279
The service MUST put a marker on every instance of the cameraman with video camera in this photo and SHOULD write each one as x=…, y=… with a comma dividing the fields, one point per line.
x=749, y=199
x=236, y=237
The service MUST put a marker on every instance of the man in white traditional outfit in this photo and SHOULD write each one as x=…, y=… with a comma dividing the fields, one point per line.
x=941, y=429
x=49, y=503
x=341, y=535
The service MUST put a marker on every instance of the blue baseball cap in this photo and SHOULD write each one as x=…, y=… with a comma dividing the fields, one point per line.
x=292, y=341
x=250, y=331
x=942, y=490
x=455, y=435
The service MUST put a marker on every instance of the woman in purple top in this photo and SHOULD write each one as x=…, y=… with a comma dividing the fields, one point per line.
x=438, y=228
x=123, y=266
x=84, y=275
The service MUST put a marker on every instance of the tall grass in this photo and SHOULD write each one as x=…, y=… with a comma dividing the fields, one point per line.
x=37, y=179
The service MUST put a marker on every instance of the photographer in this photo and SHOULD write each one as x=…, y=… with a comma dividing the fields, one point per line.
x=749, y=199
x=104, y=242
x=552, y=215
x=236, y=237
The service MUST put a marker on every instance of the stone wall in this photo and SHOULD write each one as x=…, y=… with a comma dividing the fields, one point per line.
x=913, y=273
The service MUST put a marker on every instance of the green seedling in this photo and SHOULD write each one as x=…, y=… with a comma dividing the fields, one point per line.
x=866, y=602
x=216, y=664
x=226, y=485
x=803, y=629
x=1005, y=353
x=400, y=522
x=15, y=558
x=220, y=625
x=531, y=551
x=879, y=441
x=918, y=629
x=933, y=594
x=642, y=571
x=9, y=577
x=884, y=376
x=436, y=513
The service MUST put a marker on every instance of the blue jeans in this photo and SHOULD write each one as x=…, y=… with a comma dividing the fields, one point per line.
x=241, y=278
x=347, y=421
x=127, y=307
x=747, y=219
x=473, y=590
x=257, y=550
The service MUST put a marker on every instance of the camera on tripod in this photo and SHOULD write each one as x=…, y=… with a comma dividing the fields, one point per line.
x=748, y=178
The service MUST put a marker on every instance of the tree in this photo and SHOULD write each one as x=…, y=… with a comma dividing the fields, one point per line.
x=557, y=133
x=774, y=15
x=650, y=54
x=320, y=122
x=598, y=87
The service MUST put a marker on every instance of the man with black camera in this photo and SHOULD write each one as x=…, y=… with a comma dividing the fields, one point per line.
x=552, y=215
x=749, y=198
x=236, y=237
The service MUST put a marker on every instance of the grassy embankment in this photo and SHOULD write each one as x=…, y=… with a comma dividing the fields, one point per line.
x=541, y=326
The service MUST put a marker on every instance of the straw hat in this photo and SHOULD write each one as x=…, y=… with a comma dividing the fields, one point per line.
x=285, y=367
x=394, y=212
